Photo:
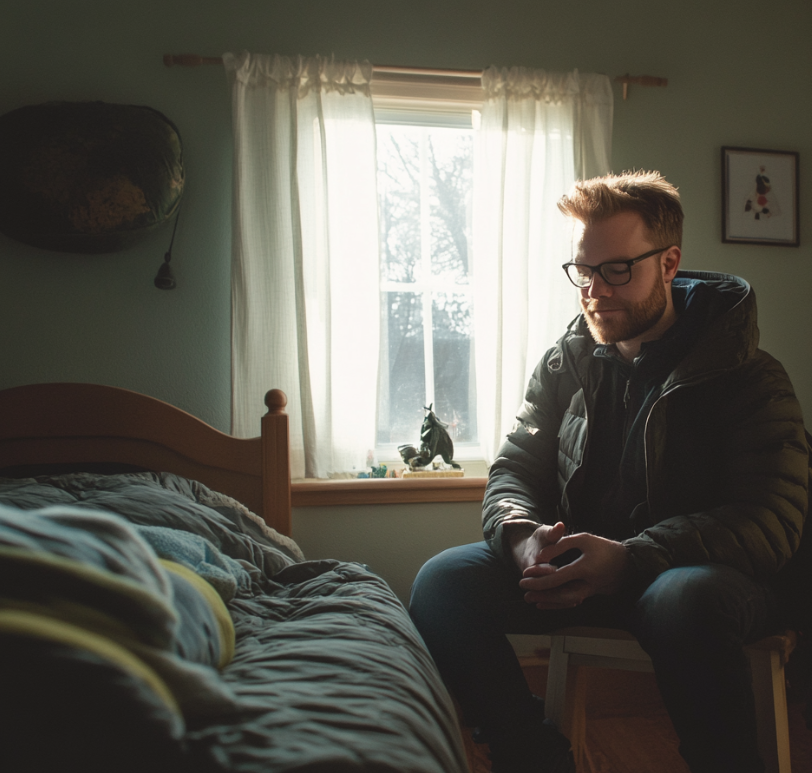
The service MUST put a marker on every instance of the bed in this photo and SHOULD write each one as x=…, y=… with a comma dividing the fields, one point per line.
x=155, y=613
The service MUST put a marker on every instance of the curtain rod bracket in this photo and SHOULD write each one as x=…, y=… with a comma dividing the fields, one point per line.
x=639, y=80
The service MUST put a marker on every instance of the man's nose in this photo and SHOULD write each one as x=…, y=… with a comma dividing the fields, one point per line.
x=598, y=287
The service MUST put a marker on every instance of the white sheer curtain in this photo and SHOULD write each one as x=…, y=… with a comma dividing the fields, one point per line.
x=305, y=265
x=539, y=132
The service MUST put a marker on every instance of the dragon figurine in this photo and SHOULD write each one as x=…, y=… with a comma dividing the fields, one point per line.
x=434, y=441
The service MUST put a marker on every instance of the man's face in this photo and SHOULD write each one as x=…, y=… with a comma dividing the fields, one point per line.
x=629, y=312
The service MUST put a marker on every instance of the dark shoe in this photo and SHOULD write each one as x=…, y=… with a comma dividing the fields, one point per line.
x=556, y=750
x=549, y=751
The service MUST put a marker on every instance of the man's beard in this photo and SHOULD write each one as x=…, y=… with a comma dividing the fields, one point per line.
x=635, y=320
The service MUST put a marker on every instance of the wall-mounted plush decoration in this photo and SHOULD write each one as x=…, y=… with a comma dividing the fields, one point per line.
x=87, y=176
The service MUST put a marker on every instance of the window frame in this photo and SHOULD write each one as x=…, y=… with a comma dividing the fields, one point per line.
x=411, y=95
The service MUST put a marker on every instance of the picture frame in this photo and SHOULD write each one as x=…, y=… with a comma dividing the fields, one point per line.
x=760, y=197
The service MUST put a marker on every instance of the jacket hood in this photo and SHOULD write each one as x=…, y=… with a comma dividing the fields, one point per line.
x=730, y=335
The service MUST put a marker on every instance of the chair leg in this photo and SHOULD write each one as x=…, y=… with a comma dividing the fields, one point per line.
x=556, y=694
x=576, y=717
x=565, y=699
x=770, y=694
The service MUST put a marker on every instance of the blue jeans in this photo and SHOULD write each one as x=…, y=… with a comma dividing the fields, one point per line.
x=692, y=621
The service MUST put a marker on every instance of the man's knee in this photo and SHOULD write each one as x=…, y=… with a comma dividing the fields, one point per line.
x=454, y=571
x=687, y=606
x=451, y=583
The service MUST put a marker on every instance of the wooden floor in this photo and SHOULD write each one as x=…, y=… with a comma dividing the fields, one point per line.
x=628, y=730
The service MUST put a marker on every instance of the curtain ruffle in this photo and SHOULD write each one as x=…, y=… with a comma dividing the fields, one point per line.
x=303, y=73
x=526, y=83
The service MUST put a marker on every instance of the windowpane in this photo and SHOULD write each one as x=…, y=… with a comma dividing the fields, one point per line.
x=403, y=386
x=451, y=169
x=454, y=393
x=399, y=202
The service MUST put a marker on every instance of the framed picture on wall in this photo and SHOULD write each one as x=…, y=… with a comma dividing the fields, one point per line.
x=760, y=197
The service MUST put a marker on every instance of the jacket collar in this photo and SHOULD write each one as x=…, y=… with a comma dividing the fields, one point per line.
x=721, y=306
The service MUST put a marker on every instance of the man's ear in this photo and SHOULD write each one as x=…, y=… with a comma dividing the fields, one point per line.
x=669, y=261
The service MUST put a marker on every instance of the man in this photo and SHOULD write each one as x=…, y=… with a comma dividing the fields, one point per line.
x=656, y=481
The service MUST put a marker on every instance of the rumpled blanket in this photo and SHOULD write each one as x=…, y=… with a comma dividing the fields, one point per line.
x=328, y=675
x=72, y=574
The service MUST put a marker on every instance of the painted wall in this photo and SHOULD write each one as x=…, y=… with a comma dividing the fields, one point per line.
x=392, y=540
x=740, y=73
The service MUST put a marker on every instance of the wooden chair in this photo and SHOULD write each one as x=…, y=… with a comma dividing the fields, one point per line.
x=610, y=648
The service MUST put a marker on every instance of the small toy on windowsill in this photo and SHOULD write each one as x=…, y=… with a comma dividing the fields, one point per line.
x=434, y=441
x=376, y=471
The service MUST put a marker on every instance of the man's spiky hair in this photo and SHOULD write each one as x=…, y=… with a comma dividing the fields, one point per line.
x=648, y=194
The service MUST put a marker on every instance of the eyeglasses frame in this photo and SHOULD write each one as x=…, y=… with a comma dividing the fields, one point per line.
x=599, y=268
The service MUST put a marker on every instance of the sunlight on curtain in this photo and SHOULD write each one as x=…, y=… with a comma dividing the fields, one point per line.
x=539, y=131
x=305, y=261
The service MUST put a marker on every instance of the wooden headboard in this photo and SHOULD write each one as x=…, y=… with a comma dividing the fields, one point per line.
x=73, y=425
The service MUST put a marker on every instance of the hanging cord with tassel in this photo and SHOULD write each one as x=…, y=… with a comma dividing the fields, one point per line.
x=165, y=279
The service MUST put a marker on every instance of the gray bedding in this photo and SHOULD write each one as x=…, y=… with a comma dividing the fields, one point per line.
x=328, y=672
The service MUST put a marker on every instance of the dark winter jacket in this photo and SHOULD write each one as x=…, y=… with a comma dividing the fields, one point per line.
x=725, y=462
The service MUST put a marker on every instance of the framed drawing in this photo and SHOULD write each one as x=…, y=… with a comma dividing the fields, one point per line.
x=760, y=197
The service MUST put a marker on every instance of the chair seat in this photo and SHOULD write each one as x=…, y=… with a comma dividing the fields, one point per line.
x=614, y=648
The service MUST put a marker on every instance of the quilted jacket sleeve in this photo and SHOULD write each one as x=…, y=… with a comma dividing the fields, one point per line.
x=522, y=485
x=756, y=519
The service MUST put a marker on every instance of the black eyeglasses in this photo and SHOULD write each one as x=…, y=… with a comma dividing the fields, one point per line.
x=613, y=272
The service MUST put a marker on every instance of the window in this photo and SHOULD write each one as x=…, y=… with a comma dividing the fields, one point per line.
x=425, y=151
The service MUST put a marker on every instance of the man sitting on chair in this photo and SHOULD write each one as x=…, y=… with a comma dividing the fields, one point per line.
x=656, y=481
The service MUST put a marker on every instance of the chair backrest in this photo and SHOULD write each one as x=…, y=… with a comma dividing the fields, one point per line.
x=794, y=582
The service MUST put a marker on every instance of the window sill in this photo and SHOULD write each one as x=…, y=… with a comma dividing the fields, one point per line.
x=385, y=491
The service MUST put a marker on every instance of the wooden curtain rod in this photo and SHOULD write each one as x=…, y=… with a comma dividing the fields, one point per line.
x=190, y=60
x=194, y=60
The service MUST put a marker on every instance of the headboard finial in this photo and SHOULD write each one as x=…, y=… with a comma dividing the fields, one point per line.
x=275, y=400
